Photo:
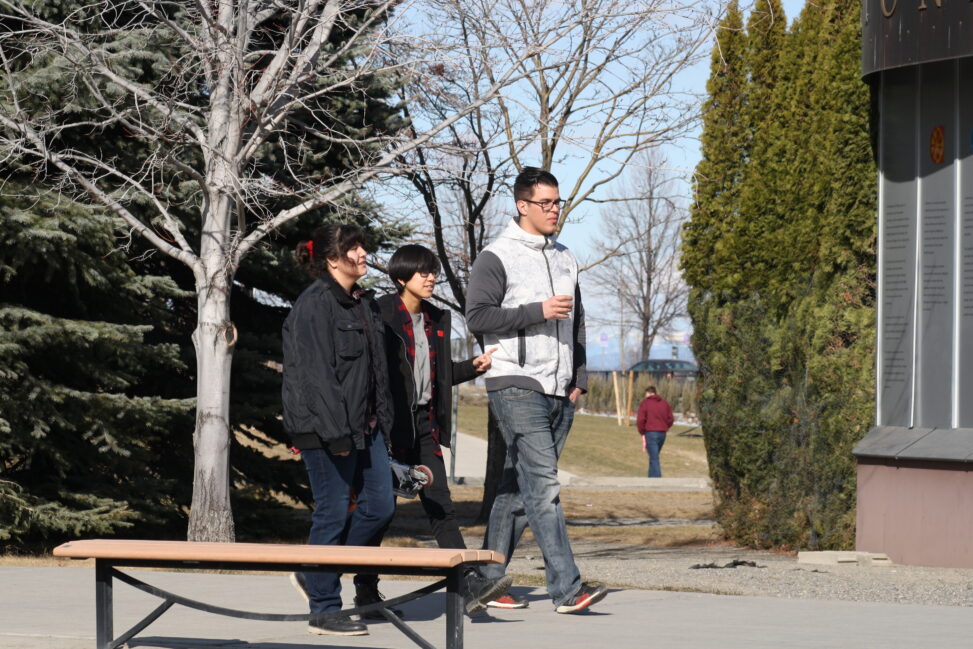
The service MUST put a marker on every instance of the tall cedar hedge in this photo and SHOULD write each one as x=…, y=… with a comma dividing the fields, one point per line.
x=780, y=257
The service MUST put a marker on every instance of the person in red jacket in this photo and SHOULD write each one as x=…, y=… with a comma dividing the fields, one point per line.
x=654, y=421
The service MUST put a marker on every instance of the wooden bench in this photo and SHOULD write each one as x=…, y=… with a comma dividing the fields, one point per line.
x=110, y=554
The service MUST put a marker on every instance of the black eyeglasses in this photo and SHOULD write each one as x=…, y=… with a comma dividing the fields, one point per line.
x=547, y=206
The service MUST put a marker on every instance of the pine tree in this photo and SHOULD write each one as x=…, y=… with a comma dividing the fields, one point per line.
x=85, y=448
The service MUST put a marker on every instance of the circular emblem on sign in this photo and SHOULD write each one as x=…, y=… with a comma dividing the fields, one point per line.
x=937, y=145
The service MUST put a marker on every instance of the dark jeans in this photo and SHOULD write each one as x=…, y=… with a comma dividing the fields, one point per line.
x=435, y=498
x=332, y=478
x=534, y=427
x=653, y=445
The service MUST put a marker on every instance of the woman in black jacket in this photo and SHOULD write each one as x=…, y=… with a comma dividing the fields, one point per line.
x=337, y=407
x=417, y=346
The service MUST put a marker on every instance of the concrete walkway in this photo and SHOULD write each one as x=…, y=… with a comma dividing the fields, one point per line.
x=53, y=608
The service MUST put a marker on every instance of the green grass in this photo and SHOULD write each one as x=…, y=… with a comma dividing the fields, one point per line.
x=599, y=447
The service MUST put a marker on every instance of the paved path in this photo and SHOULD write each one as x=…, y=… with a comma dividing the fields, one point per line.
x=53, y=608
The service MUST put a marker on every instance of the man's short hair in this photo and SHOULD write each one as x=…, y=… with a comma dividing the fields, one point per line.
x=651, y=390
x=530, y=177
x=409, y=260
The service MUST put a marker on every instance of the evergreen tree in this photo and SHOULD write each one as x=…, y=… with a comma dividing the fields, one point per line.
x=84, y=447
x=722, y=159
x=762, y=137
x=787, y=345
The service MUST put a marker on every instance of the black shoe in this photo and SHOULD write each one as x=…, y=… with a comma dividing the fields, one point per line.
x=339, y=625
x=589, y=594
x=368, y=594
x=478, y=590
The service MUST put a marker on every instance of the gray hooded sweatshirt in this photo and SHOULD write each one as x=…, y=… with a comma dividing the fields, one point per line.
x=504, y=302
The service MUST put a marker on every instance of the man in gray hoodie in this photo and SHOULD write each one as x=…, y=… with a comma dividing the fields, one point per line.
x=524, y=298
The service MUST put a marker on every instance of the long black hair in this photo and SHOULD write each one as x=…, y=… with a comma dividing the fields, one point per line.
x=330, y=241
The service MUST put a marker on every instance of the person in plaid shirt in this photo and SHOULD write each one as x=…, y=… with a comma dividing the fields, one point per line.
x=421, y=377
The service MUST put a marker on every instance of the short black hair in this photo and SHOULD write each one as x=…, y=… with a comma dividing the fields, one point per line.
x=409, y=260
x=530, y=177
x=651, y=389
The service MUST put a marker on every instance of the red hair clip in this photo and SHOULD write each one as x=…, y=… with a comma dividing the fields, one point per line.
x=310, y=247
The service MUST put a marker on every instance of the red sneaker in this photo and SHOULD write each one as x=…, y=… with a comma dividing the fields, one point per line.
x=588, y=595
x=508, y=601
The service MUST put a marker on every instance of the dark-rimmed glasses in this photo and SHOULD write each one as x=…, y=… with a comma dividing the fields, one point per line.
x=547, y=206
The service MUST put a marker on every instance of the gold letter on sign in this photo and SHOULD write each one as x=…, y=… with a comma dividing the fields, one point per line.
x=888, y=12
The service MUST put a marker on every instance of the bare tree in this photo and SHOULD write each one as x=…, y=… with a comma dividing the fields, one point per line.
x=639, y=253
x=592, y=102
x=232, y=88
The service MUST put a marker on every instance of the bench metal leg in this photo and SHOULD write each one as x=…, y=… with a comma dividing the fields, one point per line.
x=103, y=604
x=454, y=608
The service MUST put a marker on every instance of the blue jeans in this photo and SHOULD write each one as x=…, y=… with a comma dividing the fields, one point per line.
x=653, y=444
x=534, y=427
x=332, y=479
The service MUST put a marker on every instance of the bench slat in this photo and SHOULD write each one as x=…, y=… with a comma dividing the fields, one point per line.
x=272, y=553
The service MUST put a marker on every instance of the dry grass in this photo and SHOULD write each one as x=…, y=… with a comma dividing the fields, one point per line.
x=581, y=505
x=411, y=529
x=585, y=503
x=598, y=447
x=44, y=561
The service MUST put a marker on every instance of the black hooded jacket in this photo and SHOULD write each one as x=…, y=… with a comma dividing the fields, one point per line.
x=334, y=358
x=402, y=383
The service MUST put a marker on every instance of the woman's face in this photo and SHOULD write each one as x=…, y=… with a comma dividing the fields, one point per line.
x=352, y=265
x=421, y=285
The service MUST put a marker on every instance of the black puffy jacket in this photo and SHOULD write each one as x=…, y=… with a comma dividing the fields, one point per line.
x=402, y=383
x=334, y=357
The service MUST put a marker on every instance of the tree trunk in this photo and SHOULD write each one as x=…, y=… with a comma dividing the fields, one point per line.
x=211, y=518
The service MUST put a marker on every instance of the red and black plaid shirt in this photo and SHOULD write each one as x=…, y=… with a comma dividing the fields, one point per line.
x=410, y=347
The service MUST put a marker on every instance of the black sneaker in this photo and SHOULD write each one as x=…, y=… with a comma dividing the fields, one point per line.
x=339, y=625
x=368, y=594
x=478, y=590
x=589, y=594
x=508, y=601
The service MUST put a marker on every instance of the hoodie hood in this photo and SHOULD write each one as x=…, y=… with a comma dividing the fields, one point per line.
x=535, y=241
